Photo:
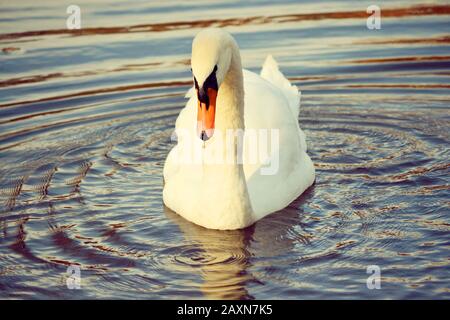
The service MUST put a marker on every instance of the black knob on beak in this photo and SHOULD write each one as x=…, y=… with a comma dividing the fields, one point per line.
x=203, y=96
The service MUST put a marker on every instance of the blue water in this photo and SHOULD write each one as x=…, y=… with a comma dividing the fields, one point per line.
x=85, y=124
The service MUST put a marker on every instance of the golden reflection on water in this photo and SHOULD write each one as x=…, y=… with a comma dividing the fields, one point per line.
x=223, y=261
x=223, y=258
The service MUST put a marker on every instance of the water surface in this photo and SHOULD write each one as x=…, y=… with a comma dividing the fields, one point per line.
x=85, y=123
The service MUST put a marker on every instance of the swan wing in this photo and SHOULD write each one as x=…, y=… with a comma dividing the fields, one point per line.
x=271, y=73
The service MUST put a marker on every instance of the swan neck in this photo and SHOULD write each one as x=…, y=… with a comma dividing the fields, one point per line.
x=227, y=142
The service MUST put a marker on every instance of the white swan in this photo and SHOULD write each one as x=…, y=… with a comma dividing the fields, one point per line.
x=200, y=182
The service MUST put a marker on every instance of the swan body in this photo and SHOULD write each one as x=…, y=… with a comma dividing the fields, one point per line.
x=201, y=183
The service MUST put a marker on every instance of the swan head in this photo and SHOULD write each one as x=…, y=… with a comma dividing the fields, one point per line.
x=210, y=62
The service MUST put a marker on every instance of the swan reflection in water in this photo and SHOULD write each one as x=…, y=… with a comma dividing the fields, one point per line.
x=225, y=257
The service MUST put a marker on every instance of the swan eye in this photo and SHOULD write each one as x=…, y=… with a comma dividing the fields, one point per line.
x=211, y=81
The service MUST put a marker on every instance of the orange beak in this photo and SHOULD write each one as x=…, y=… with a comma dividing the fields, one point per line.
x=206, y=114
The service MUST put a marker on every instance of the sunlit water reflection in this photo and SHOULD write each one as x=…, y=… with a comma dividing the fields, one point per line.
x=85, y=125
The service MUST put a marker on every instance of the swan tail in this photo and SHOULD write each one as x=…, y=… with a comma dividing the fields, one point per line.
x=271, y=73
